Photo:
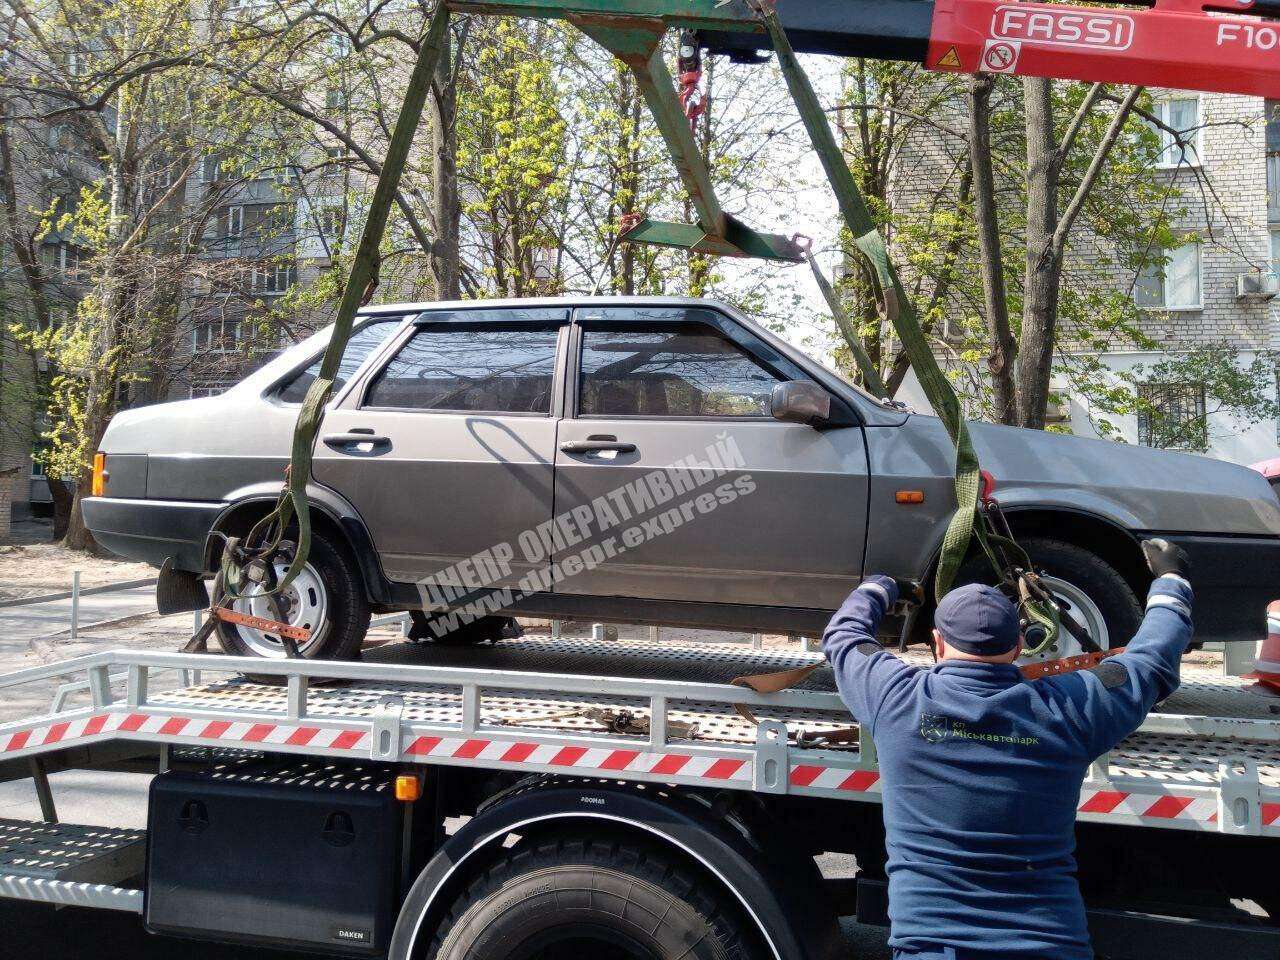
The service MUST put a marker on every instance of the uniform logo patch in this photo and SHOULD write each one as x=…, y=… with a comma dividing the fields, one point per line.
x=937, y=729
x=933, y=728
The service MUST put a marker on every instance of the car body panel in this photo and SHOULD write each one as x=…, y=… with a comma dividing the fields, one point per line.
x=791, y=532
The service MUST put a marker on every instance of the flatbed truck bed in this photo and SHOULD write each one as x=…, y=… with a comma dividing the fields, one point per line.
x=585, y=723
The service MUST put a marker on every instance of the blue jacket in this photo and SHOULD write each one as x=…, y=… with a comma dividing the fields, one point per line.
x=981, y=773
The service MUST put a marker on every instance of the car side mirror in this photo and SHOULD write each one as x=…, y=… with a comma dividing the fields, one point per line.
x=800, y=401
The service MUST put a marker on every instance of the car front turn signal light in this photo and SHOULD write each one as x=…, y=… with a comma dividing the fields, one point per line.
x=99, y=475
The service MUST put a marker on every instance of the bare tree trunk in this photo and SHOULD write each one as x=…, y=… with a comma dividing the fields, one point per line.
x=629, y=180
x=1044, y=262
x=63, y=499
x=100, y=395
x=445, y=257
x=1004, y=349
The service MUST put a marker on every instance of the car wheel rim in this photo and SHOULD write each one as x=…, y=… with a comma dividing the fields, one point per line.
x=304, y=603
x=1086, y=613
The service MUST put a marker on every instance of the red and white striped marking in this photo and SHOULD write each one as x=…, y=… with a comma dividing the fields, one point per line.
x=222, y=731
x=1166, y=807
x=678, y=766
x=842, y=780
x=574, y=758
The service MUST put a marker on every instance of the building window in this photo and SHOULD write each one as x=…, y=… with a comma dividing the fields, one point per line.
x=211, y=388
x=1172, y=282
x=1172, y=416
x=273, y=277
x=1181, y=114
x=220, y=335
x=65, y=258
x=233, y=221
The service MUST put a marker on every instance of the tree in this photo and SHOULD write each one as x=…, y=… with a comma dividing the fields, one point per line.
x=1023, y=211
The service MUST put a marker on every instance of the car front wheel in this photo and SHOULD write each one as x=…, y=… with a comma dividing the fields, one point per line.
x=327, y=598
x=1092, y=590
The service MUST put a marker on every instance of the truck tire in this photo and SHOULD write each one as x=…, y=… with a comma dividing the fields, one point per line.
x=1099, y=596
x=327, y=597
x=484, y=630
x=575, y=898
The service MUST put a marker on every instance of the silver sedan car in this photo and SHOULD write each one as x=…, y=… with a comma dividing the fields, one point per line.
x=662, y=461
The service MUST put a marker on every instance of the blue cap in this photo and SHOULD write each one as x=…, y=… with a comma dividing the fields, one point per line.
x=978, y=619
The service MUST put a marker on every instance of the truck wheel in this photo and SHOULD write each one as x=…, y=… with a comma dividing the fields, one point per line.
x=577, y=898
x=327, y=597
x=1100, y=599
x=484, y=630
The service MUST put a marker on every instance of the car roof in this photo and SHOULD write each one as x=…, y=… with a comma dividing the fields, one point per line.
x=526, y=302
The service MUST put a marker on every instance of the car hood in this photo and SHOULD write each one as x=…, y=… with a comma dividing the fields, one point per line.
x=1139, y=487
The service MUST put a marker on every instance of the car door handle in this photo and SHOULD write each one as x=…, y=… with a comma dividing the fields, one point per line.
x=596, y=446
x=338, y=440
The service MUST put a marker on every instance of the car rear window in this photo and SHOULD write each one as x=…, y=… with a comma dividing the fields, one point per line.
x=489, y=370
x=362, y=343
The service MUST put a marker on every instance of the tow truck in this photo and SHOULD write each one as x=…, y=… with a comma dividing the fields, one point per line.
x=545, y=797
x=620, y=797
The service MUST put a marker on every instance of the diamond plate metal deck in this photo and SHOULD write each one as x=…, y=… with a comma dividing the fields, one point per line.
x=70, y=853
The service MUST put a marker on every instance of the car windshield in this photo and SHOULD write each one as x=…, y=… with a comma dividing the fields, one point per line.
x=854, y=386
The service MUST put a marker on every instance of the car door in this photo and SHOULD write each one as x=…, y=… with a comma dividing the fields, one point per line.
x=659, y=395
x=447, y=449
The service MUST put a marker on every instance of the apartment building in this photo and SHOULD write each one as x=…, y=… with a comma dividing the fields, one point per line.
x=1215, y=291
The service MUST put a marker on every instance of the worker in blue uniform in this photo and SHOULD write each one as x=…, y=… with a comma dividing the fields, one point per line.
x=981, y=769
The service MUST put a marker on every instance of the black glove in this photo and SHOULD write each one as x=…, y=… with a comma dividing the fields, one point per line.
x=1164, y=557
x=910, y=592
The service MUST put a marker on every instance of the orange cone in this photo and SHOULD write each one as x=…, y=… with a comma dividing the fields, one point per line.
x=1267, y=665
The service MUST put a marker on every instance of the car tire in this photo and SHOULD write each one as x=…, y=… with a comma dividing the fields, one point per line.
x=590, y=898
x=485, y=630
x=1080, y=574
x=330, y=583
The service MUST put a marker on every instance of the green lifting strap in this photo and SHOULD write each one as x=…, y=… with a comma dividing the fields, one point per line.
x=359, y=287
x=897, y=306
x=870, y=375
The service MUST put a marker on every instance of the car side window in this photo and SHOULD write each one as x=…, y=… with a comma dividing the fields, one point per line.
x=687, y=370
x=362, y=343
x=473, y=369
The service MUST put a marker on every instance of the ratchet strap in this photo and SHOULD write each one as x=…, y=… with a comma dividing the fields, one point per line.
x=1056, y=668
x=784, y=680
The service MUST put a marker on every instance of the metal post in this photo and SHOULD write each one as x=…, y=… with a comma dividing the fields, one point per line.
x=137, y=691
x=100, y=686
x=757, y=641
x=44, y=792
x=557, y=628
x=197, y=621
x=655, y=634
x=297, y=696
x=75, y=604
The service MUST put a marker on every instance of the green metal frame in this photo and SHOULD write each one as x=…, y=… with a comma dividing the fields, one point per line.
x=635, y=38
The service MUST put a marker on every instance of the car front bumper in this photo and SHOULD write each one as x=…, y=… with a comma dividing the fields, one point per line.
x=151, y=530
x=1234, y=578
